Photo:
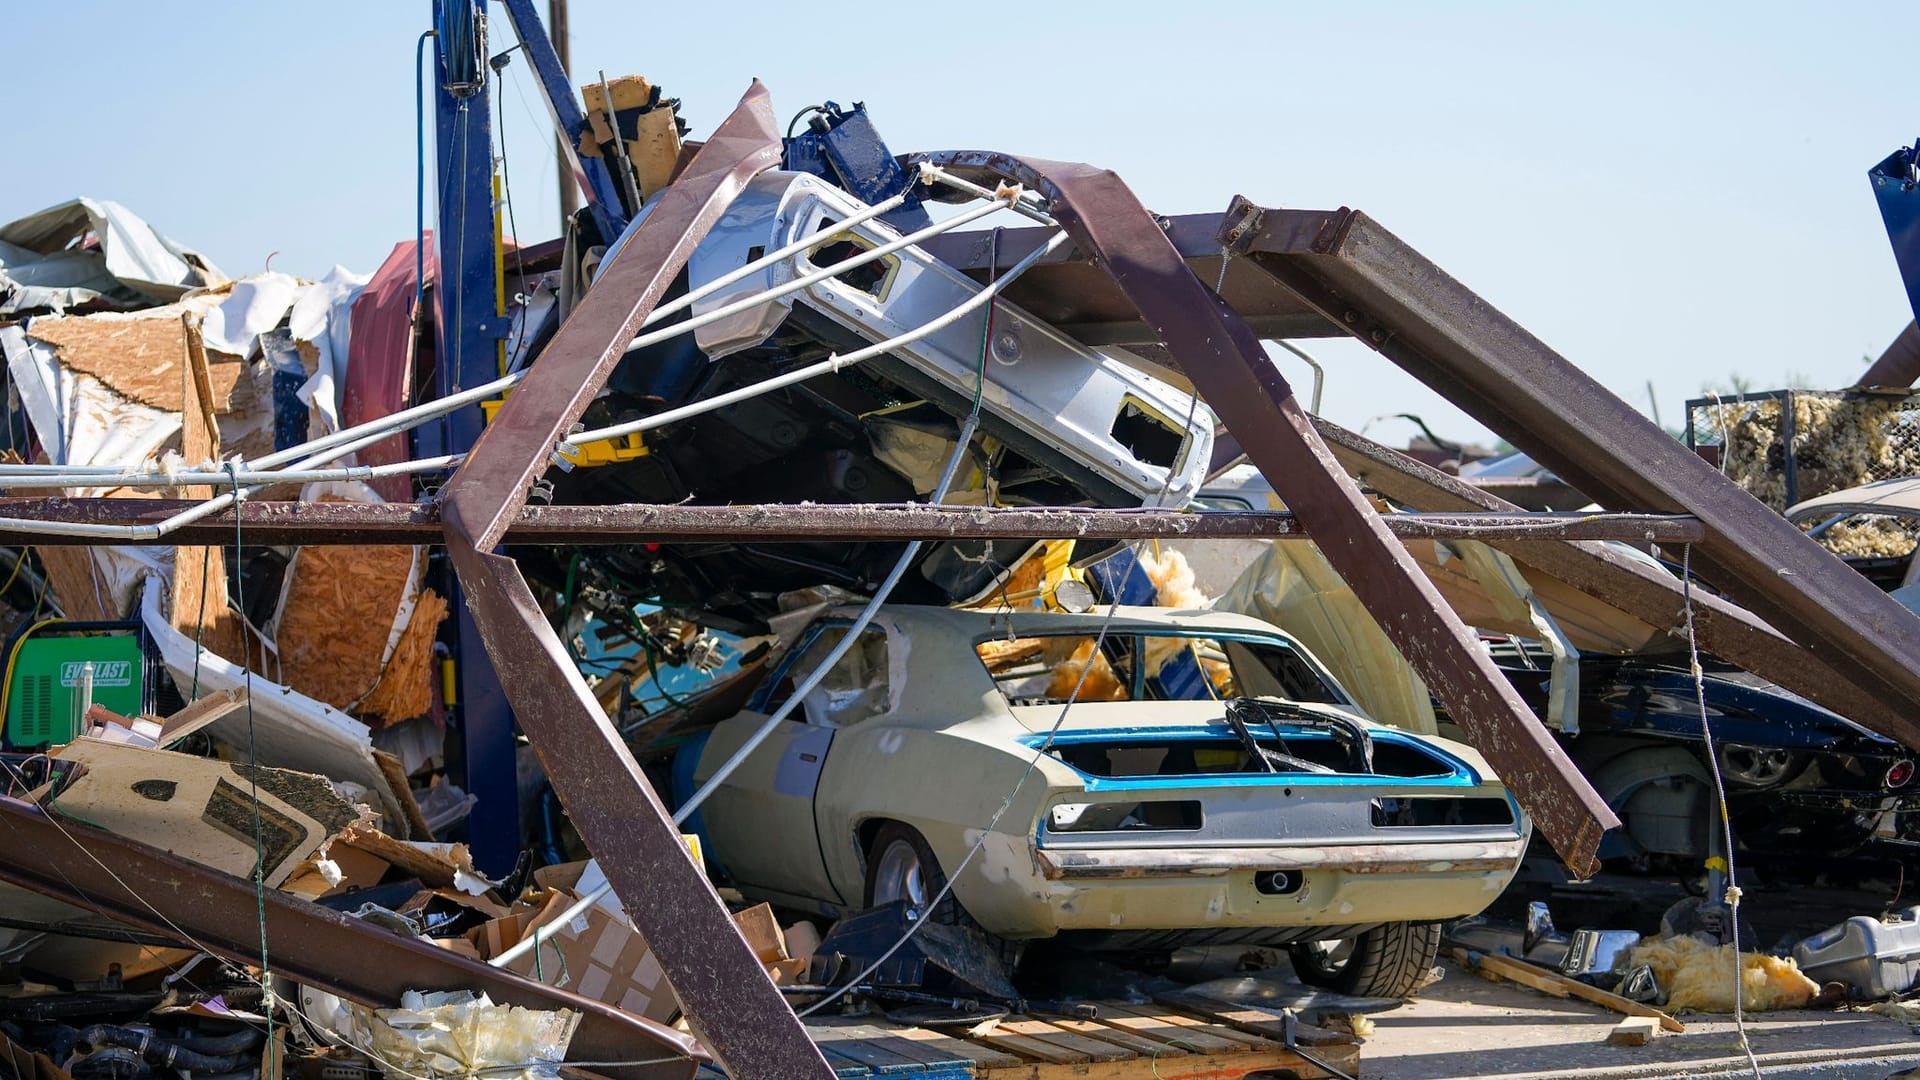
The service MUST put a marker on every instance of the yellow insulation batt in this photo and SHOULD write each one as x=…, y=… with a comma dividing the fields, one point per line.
x=1699, y=976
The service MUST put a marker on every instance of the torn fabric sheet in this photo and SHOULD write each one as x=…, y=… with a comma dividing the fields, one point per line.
x=251, y=308
x=128, y=265
x=323, y=318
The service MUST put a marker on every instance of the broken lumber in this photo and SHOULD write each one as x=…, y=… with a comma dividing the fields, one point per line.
x=1555, y=984
x=1633, y=1031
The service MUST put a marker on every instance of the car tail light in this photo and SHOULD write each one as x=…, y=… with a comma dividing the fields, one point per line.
x=1899, y=774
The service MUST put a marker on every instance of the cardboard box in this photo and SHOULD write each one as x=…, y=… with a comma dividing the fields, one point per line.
x=600, y=955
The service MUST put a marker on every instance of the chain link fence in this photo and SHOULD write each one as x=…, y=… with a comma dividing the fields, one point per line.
x=1786, y=446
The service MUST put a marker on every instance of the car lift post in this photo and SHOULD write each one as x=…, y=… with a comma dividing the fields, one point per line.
x=468, y=330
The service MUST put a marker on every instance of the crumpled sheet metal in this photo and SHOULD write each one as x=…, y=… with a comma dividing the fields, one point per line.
x=739, y=1015
x=134, y=266
x=1220, y=354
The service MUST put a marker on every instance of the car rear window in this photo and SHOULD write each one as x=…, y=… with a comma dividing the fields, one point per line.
x=1160, y=666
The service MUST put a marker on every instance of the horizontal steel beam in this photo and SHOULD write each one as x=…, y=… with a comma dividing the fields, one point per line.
x=322, y=523
x=153, y=890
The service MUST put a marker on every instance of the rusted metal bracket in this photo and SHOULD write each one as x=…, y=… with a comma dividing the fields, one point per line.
x=319, y=523
x=145, y=887
x=1226, y=363
x=1648, y=593
x=1389, y=296
x=729, y=1000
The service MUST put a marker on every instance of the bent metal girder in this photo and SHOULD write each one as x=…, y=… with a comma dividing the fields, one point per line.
x=1062, y=286
x=1384, y=293
x=732, y=1005
x=143, y=886
x=1231, y=371
x=1611, y=575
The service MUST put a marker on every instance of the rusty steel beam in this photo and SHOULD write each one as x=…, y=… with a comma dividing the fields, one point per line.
x=1409, y=310
x=1078, y=298
x=1228, y=366
x=730, y=1002
x=1648, y=593
x=1899, y=365
x=145, y=887
x=324, y=523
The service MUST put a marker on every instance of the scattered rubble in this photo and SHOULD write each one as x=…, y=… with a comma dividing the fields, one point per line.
x=1283, y=769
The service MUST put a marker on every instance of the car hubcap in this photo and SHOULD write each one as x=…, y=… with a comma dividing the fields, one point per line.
x=898, y=876
x=1757, y=766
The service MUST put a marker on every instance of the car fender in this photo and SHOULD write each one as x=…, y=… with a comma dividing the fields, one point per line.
x=947, y=786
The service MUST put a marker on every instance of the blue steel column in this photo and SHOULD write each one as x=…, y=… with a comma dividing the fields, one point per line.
x=569, y=119
x=466, y=334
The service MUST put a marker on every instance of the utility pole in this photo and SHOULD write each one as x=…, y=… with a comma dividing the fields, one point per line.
x=562, y=45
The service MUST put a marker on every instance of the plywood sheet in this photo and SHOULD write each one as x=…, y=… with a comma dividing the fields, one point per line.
x=143, y=358
x=338, y=617
x=76, y=582
x=406, y=686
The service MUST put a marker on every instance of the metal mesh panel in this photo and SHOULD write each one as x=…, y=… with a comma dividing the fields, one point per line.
x=1785, y=446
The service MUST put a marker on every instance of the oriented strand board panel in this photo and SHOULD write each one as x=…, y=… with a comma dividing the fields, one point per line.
x=143, y=358
x=337, y=619
x=407, y=686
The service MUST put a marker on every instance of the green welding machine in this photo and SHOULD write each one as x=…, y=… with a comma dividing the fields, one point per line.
x=47, y=679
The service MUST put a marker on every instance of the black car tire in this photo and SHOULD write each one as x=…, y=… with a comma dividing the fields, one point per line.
x=897, y=841
x=1388, y=961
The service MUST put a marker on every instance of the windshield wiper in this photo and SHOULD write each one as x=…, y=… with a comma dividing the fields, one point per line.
x=1350, y=733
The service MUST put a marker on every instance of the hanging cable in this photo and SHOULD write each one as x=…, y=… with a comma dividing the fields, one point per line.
x=1732, y=895
x=253, y=758
x=420, y=172
x=1099, y=642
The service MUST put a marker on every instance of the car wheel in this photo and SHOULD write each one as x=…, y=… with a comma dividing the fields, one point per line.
x=1387, y=961
x=900, y=866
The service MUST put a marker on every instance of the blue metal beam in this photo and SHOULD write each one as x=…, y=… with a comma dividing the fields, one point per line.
x=569, y=119
x=468, y=331
x=1896, y=185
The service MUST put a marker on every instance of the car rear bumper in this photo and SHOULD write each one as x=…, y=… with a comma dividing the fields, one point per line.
x=1220, y=889
x=1072, y=864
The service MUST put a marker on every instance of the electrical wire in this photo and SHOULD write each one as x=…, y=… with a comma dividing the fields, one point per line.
x=1732, y=896
x=253, y=755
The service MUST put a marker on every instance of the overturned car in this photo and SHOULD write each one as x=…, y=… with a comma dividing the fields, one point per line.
x=1059, y=423
x=1146, y=782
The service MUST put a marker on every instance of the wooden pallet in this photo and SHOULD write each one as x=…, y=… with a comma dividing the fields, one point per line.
x=1193, y=1039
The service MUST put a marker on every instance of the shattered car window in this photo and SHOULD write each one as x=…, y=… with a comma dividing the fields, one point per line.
x=1163, y=666
x=854, y=690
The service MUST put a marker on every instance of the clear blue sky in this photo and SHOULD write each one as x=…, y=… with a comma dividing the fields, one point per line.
x=1662, y=192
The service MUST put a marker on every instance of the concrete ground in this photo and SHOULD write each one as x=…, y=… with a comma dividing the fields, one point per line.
x=1464, y=1026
